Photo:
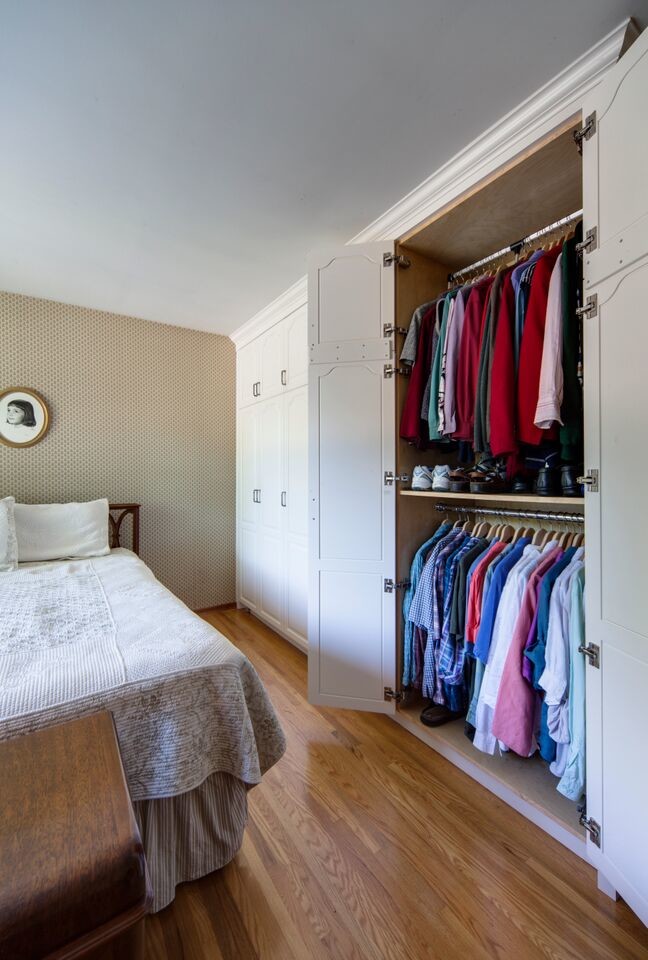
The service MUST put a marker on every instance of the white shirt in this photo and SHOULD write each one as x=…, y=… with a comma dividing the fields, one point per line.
x=550, y=393
x=507, y=614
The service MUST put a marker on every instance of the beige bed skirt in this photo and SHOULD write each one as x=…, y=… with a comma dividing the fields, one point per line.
x=188, y=836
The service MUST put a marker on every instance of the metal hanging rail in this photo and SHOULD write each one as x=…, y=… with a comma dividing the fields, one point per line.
x=515, y=247
x=522, y=514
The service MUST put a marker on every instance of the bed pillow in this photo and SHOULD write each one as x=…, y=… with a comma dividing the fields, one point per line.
x=57, y=531
x=8, y=543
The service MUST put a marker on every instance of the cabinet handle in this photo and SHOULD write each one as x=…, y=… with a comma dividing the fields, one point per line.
x=284, y=379
x=258, y=388
x=283, y=498
x=256, y=496
x=254, y=386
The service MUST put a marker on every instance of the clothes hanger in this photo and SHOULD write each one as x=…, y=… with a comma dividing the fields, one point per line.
x=565, y=540
x=538, y=536
x=519, y=533
x=507, y=533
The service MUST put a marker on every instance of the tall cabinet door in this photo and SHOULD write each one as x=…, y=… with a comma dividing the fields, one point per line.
x=295, y=501
x=615, y=159
x=248, y=507
x=351, y=634
x=270, y=542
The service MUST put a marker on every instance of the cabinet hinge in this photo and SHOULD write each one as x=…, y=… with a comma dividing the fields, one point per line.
x=391, y=585
x=589, y=308
x=589, y=243
x=593, y=653
x=389, y=330
x=393, y=695
x=592, y=827
x=389, y=371
x=586, y=132
x=590, y=481
x=397, y=258
x=390, y=477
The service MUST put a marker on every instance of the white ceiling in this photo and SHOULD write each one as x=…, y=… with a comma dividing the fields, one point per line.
x=177, y=160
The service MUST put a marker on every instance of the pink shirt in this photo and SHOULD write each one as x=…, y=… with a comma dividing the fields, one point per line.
x=550, y=393
x=515, y=710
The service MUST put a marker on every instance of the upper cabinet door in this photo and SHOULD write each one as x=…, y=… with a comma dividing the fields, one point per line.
x=351, y=409
x=350, y=300
x=296, y=349
x=271, y=347
x=615, y=338
x=248, y=373
x=615, y=182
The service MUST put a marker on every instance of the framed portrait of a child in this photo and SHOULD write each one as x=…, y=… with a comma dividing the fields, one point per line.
x=24, y=417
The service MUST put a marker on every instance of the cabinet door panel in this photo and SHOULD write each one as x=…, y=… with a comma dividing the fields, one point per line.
x=614, y=167
x=248, y=566
x=297, y=588
x=617, y=572
x=351, y=435
x=271, y=578
x=296, y=469
x=296, y=348
x=270, y=465
x=247, y=373
x=248, y=479
x=272, y=361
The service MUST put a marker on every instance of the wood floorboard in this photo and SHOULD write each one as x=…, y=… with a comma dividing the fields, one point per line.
x=364, y=844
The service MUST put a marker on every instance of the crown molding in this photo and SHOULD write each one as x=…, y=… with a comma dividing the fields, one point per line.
x=286, y=303
x=552, y=105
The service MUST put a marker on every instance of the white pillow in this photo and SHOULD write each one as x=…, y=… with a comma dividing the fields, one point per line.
x=56, y=531
x=8, y=543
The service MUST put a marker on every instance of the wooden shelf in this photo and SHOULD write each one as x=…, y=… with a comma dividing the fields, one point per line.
x=566, y=504
x=525, y=784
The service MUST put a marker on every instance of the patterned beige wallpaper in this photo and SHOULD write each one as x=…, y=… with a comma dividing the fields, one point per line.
x=140, y=412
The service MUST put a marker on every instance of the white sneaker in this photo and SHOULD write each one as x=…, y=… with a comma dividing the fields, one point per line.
x=422, y=478
x=441, y=478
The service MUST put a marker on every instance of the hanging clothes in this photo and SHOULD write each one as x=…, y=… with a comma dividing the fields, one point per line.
x=481, y=431
x=410, y=426
x=468, y=362
x=550, y=389
x=571, y=431
x=408, y=627
x=455, y=332
x=502, y=408
x=572, y=783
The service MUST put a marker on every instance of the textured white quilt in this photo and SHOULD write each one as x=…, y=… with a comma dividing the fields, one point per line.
x=82, y=635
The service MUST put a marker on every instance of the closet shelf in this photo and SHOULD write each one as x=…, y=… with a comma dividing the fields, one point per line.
x=520, y=499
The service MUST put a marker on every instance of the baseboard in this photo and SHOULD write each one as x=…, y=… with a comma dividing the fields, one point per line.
x=220, y=606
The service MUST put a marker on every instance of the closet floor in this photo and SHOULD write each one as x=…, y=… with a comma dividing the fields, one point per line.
x=363, y=843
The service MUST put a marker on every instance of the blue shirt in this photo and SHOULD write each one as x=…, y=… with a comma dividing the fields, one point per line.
x=415, y=573
x=489, y=612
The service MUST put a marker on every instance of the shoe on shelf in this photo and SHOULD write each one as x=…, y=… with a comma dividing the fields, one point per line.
x=568, y=481
x=459, y=481
x=548, y=482
x=436, y=715
x=488, y=476
x=422, y=478
x=441, y=478
x=521, y=484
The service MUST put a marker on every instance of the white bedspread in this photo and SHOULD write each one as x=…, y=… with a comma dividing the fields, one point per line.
x=78, y=636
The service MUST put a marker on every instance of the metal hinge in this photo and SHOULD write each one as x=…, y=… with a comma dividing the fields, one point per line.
x=593, y=653
x=590, y=480
x=389, y=329
x=397, y=258
x=390, y=585
x=586, y=132
x=589, y=308
x=390, y=477
x=589, y=243
x=392, y=695
x=592, y=827
x=389, y=371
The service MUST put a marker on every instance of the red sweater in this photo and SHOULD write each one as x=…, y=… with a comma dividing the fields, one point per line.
x=468, y=362
x=531, y=352
x=411, y=424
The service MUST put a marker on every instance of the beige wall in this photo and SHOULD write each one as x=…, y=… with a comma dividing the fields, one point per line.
x=141, y=412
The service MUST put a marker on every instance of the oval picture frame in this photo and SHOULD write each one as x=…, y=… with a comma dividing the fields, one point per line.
x=29, y=417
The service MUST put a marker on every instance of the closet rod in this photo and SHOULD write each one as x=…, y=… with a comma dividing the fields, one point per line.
x=517, y=246
x=523, y=514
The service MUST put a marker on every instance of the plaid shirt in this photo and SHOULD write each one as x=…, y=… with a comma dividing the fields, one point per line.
x=446, y=548
x=450, y=659
x=415, y=575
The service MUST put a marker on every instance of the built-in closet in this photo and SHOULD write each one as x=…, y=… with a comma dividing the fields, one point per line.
x=365, y=523
x=272, y=431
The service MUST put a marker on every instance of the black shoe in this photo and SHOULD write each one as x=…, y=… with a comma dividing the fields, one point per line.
x=520, y=484
x=568, y=476
x=547, y=484
x=436, y=715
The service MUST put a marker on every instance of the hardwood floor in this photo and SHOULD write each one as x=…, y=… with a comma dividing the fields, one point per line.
x=364, y=844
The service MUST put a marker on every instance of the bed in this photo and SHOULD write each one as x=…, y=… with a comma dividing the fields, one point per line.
x=195, y=726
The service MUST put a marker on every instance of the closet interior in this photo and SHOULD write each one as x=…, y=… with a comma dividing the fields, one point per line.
x=539, y=188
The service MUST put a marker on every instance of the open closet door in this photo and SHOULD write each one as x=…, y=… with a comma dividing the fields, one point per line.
x=351, y=409
x=615, y=157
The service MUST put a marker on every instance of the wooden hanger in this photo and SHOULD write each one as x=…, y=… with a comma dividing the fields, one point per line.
x=565, y=540
x=519, y=533
x=538, y=536
x=507, y=533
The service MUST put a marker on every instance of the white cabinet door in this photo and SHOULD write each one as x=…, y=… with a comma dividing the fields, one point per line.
x=296, y=513
x=271, y=566
x=248, y=374
x=616, y=400
x=351, y=630
x=614, y=166
x=271, y=349
x=248, y=508
x=296, y=348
